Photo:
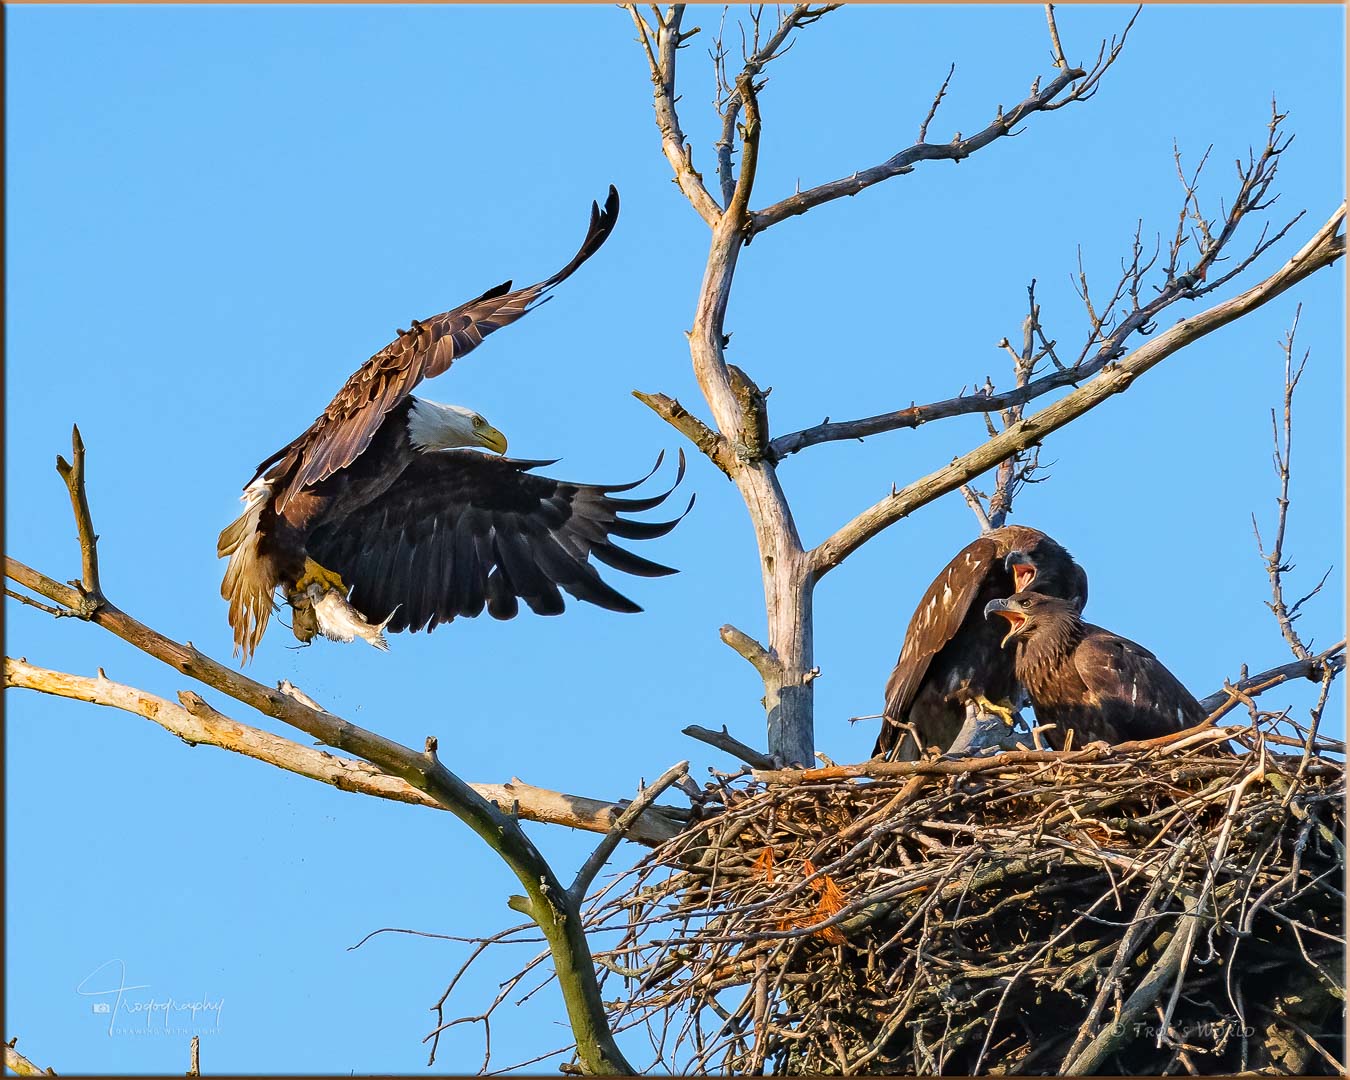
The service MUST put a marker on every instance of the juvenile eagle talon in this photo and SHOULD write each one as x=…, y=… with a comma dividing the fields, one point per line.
x=1006, y=713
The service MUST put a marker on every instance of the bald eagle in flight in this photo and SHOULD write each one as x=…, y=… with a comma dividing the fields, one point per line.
x=379, y=496
x=951, y=656
x=1080, y=676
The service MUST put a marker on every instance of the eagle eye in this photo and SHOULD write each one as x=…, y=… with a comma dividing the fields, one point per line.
x=478, y=423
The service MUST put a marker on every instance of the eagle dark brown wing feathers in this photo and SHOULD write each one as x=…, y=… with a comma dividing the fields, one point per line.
x=951, y=655
x=1082, y=677
x=460, y=531
x=941, y=611
x=1140, y=698
x=428, y=348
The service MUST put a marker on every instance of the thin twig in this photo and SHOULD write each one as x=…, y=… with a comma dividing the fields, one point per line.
x=626, y=821
x=1325, y=248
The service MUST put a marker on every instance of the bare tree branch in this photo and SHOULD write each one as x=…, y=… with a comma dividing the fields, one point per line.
x=904, y=162
x=728, y=743
x=631, y=815
x=1060, y=62
x=73, y=475
x=546, y=901
x=1325, y=247
x=1018, y=470
x=975, y=500
x=759, y=657
x=937, y=100
x=197, y=723
x=739, y=205
x=788, y=694
x=1276, y=567
x=1313, y=668
x=16, y=1063
x=713, y=445
x=800, y=15
x=1040, y=100
x=56, y=613
x=660, y=43
x=1109, y=333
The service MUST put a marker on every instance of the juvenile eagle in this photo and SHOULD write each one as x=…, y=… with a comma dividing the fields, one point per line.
x=951, y=655
x=373, y=496
x=1080, y=676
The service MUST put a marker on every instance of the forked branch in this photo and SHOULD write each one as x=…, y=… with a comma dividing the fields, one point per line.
x=627, y=820
x=1322, y=250
x=73, y=475
x=1020, y=469
x=1112, y=320
x=661, y=39
x=757, y=56
x=546, y=901
x=1276, y=566
x=1329, y=662
x=198, y=724
x=1060, y=91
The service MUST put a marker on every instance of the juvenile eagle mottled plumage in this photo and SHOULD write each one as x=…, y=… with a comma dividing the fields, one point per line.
x=1079, y=676
x=373, y=496
x=951, y=654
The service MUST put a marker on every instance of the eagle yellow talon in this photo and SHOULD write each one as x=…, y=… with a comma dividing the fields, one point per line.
x=1006, y=713
x=323, y=577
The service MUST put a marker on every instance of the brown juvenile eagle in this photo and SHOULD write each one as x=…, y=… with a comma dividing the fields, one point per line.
x=951, y=656
x=1080, y=676
x=373, y=496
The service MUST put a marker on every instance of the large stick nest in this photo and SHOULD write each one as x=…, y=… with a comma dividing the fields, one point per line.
x=1155, y=910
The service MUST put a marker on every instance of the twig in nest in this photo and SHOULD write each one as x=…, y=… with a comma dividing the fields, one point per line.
x=907, y=923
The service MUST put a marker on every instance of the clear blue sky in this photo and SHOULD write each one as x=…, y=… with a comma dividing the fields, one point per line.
x=216, y=214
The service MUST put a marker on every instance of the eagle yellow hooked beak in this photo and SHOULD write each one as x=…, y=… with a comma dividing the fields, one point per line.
x=490, y=437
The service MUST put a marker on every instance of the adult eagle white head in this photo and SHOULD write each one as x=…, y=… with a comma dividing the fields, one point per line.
x=380, y=497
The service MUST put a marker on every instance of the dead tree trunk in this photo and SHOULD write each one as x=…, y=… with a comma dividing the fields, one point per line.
x=739, y=441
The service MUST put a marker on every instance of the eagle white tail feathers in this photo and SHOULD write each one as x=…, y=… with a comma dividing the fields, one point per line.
x=249, y=576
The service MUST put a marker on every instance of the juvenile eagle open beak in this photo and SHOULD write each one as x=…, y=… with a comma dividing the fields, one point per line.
x=1007, y=609
x=1023, y=571
x=493, y=439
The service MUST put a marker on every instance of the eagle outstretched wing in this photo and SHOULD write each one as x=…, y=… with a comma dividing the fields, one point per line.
x=941, y=611
x=345, y=428
x=460, y=530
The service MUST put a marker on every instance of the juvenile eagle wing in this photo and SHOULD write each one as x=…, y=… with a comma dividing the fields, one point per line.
x=941, y=611
x=1137, y=697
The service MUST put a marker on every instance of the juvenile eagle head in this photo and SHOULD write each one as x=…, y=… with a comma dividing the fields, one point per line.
x=1048, y=568
x=1028, y=611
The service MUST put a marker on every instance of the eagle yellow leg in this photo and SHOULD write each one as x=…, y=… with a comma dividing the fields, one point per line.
x=1004, y=712
x=319, y=575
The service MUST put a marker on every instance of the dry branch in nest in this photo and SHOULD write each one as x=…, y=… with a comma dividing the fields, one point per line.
x=1156, y=910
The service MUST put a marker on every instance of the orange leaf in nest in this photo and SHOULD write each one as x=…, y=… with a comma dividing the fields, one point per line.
x=831, y=896
x=830, y=900
x=763, y=866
